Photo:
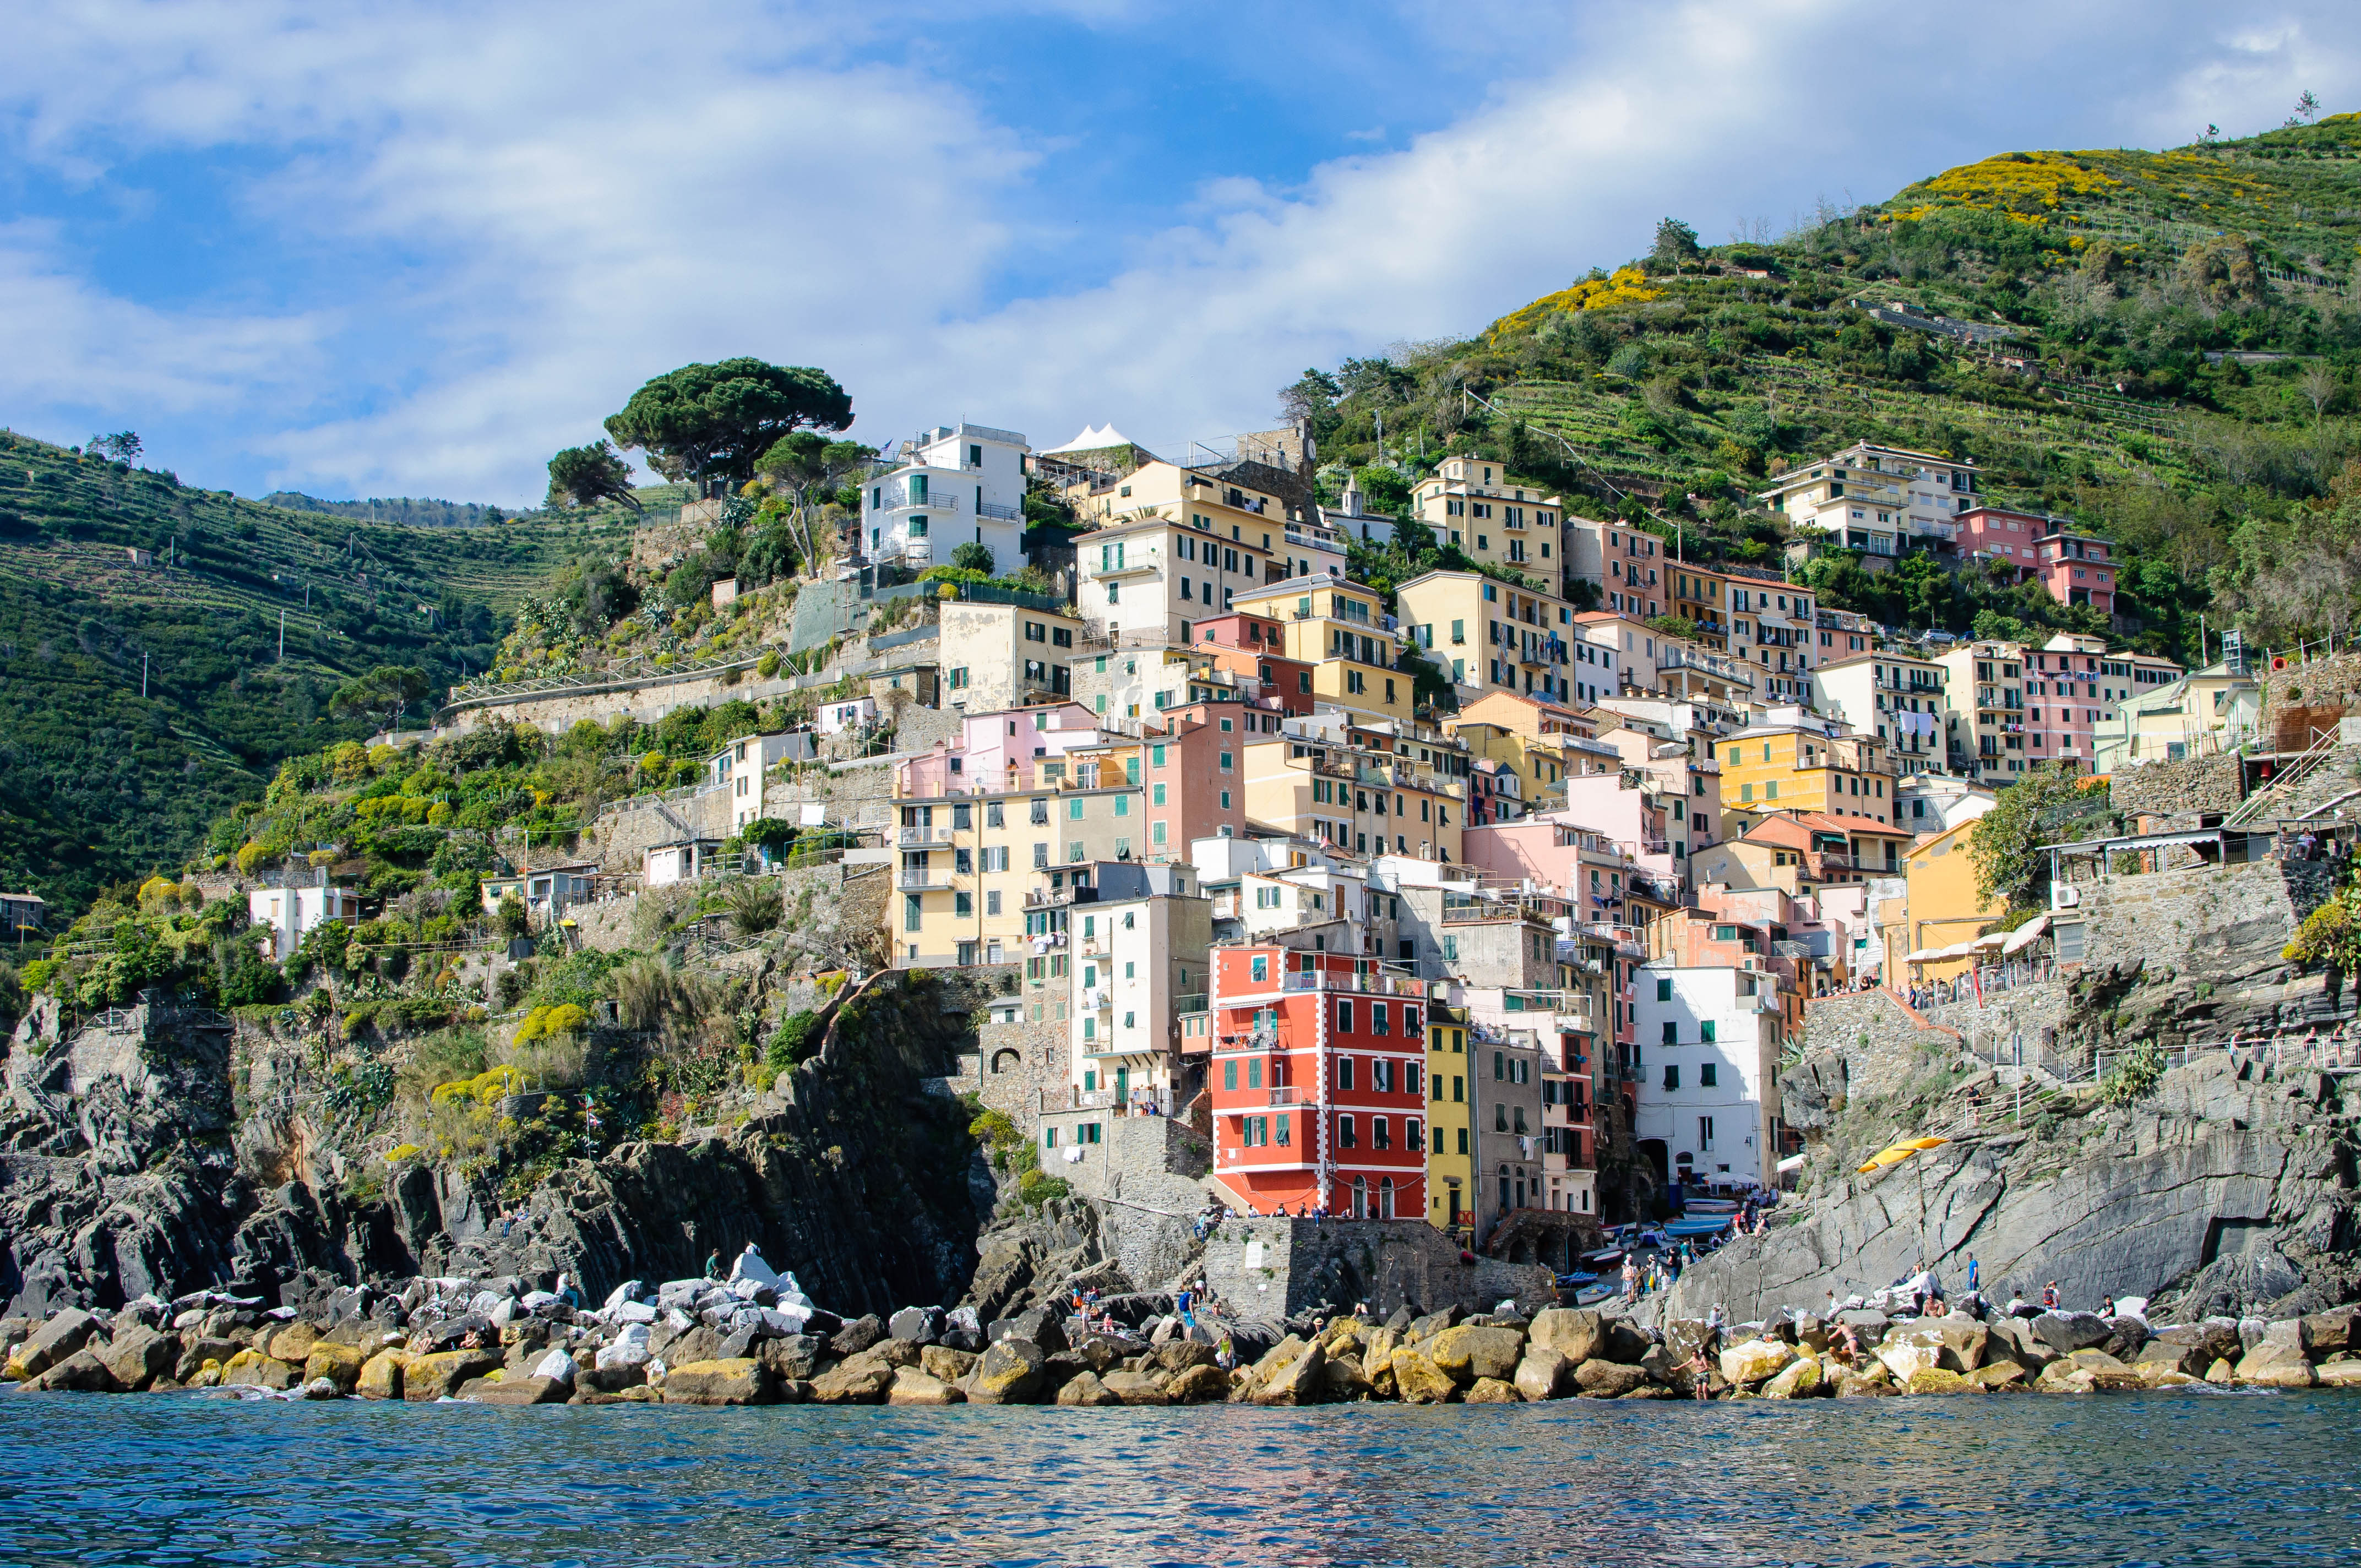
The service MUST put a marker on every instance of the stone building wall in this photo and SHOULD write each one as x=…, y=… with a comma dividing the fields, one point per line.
x=1273, y=1267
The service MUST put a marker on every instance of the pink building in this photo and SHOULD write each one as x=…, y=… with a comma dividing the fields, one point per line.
x=996, y=751
x=2076, y=568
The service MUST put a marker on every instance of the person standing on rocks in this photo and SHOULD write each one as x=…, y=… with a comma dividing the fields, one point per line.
x=2050, y=1297
x=1972, y=1274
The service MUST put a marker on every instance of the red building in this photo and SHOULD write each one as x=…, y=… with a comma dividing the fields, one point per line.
x=1248, y=647
x=1317, y=1083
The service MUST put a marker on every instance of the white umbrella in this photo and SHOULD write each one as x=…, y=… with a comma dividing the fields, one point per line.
x=2024, y=936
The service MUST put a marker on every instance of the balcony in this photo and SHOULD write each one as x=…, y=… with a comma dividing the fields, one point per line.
x=1368, y=985
x=912, y=837
x=1193, y=1003
x=998, y=512
x=946, y=502
x=921, y=882
x=1148, y=567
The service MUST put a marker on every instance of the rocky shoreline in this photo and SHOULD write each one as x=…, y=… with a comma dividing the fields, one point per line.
x=744, y=1342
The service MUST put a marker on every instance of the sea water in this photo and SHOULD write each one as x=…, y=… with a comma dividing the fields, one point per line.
x=2212, y=1478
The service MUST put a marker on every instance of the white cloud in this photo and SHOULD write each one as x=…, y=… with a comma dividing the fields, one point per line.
x=522, y=213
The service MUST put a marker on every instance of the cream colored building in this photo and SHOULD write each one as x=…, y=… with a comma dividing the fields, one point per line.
x=1361, y=802
x=1474, y=506
x=997, y=656
x=1490, y=636
x=1879, y=499
x=2205, y=713
x=1173, y=546
x=1340, y=628
x=1899, y=697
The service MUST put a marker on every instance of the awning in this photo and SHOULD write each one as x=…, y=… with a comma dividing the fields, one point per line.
x=1988, y=941
x=2024, y=936
x=1941, y=955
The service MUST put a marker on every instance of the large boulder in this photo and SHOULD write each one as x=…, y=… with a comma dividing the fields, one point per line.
x=941, y=1361
x=1948, y=1344
x=138, y=1354
x=381, y=1376
x=339, y=1364
x=1084, y=1390
x=81, y=1373
x=2279, y=1361
x=1755, y=1361
x=2014, y=1339
x=740, y=1380
x=1206, y=1383
x=1574, y=1332
x=1039, y=1325
x=2066, y=1332
x=2087, y=1371
x=912, y=1386
x=1296, y=1381
x=196, y=1350
x=2339, y=1373
x=1624, y=1341
x=858, y=1335
x=427, y=1379
x=1138, y=1388
x=251, y=1369
x=796, y=1356
x=1010, y=1373
x=1176, y=1356
x=1468, y=1353
x=2335, y=1330
x=920, y=1325
x=1939, y=1380
x=1432, y=1325
x=2000, y=1375
x=291, y=1344
x=526, y=1390
x=51, y=1343
x=1492, y=1391
x=1542, y=1373
x=1599, y=1378
x=1800, y=1379
x=2190, y=1348
x=1418, y=1381
x=860, y=1381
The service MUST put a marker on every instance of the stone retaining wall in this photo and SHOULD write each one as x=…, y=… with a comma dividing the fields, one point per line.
x=1272, y=1268
x=1883, y=1045
x=2175, y=790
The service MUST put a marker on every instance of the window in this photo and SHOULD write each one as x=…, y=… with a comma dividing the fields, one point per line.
x=1380, y=1137
x=1704, y=1031
x=1230, y=1074
x=1705, y=1131
x=1343, y=1072
x=1500, y=1116
x=1074, y=810
x=1672, y=1075
x=1344, y=1137
x=1672, y=1033
x=1664, y=990
x=1345, y=1027
x=1708, y=1076
x=910, y=912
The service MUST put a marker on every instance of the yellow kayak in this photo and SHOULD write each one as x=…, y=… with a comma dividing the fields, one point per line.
x=1895, y=1153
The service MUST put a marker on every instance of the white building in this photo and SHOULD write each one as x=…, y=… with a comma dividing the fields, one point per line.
x=1139, y=950
x=1899, y=696
x=1936, y=803
x=1876, y=499
x=954, y=485
x=743, y=767
x=290, y=912
x=1710, y=1041
x=683, y=860
x=835, y=717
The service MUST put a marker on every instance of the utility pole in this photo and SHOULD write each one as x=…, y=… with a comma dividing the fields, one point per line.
x=282, y=634
x=143, y=677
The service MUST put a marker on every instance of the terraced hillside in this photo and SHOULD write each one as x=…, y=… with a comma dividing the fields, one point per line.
x=110, y=576
x=2164, y=345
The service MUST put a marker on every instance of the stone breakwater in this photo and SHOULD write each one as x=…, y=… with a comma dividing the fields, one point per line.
x=703, y=1342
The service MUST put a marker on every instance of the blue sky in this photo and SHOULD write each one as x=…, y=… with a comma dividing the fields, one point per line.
x=412, y=249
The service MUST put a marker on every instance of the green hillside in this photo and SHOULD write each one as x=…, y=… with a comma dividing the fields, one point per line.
x=2163, y=345
x=98, y=784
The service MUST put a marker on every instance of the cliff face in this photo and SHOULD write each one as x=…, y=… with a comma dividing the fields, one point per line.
x=128, y=1166
x=2231, y=1189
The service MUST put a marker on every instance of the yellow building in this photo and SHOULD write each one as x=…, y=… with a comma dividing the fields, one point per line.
x=1793, y=760
x=998, y=656
x=1476, y=507
x=1450, y=1159
x=973, y=869
x=1363, y=802
x=1537, y=766
x=1943, y=909
x=1488, y=635
x=1340, y=628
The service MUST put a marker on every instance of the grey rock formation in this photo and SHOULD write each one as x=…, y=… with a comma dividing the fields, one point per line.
x=2228, y=1191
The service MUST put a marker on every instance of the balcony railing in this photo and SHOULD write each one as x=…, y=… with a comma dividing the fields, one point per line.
x=1193, y=1003
x=921, y=882
x=913, y=835
x=1002, y=513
